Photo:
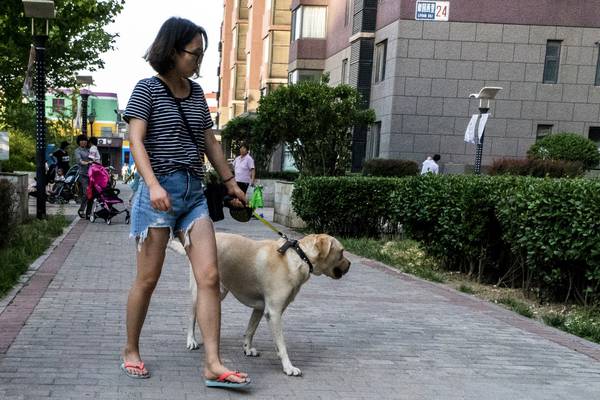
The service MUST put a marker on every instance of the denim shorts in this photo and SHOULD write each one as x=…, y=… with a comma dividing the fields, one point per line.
x=188, y=204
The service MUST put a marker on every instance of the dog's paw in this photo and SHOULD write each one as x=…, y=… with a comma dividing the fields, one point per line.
x=192, y=344
x=252, y=352
x=292, y=371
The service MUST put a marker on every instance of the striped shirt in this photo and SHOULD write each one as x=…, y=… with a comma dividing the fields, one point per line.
x=168, y=143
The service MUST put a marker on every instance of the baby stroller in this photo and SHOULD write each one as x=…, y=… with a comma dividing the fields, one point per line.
x=104, y=196
x=64, y=191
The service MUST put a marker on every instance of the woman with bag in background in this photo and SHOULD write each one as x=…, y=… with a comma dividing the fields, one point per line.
x=170, y=131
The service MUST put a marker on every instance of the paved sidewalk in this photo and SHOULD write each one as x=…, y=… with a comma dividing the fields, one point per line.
x=375, y=334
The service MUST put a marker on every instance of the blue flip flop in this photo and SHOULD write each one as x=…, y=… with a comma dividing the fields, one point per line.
x=222, y=382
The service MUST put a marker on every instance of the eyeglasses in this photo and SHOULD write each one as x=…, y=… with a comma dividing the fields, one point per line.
x=199, y=56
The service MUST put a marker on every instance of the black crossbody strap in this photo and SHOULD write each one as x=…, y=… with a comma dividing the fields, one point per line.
x=186, y=123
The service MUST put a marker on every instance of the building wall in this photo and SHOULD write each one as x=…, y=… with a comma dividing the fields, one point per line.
x=433, y=67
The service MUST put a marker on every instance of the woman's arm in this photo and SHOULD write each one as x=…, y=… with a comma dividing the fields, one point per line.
x=159, y=198
x=217, y=159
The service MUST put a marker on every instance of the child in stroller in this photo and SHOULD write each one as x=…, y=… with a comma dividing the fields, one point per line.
x=105, y=197
x=65, y=188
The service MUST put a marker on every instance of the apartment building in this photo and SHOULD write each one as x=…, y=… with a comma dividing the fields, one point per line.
x=417, y=74
x=254, y=51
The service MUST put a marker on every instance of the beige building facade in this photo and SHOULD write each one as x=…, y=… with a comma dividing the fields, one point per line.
x=254, y=48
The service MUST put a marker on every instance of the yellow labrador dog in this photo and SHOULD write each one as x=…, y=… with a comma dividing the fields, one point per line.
x=267, y=281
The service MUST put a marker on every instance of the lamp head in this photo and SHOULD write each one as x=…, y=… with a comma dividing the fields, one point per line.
x=39, y=8
x=486, y=94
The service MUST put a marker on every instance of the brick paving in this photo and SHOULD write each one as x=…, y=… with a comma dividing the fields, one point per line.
x=375, y=334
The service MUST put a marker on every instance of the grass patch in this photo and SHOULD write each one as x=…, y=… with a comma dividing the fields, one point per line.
x=27, y=243
x=406, y=255
x=516, y=306
x=466, y=289
x=584, y=323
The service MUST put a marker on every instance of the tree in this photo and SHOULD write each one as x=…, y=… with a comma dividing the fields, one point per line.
x=315, y=121
x=244, y=129
x=76, y=40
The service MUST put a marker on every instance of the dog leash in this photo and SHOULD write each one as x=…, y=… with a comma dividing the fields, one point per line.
x=289, y=243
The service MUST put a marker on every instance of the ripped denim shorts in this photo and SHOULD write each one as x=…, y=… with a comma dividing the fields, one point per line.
x=188, y=204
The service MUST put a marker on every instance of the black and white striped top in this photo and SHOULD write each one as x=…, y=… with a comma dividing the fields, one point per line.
x=167, y=141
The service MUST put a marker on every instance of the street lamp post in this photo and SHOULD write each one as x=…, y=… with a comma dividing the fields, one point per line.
x=92, y=119
x=43, y=9
x=85, y=95
x=485, y=95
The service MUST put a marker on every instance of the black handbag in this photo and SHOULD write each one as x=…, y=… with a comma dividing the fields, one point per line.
x=214, y=192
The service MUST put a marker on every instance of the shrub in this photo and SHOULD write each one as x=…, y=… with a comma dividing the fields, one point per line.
x=7, y=211
x=383, y=167
x=22, y=153
x=282, y=175
x=538, y=168
x=353, y=206
x=539, y=234
x=567, y=147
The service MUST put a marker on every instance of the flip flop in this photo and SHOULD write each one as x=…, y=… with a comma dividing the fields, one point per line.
x=222, y=382
x=137, y=366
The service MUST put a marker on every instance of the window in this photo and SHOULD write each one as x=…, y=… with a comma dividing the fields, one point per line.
x=299, y=75
x=309, y=22
x=597, y=80
x=344, y=78
x=287, y=161
x=373, y=139
x=58, y=105
x=543, y=131
x=552, y=61
x=380, y=56
x=106, y=131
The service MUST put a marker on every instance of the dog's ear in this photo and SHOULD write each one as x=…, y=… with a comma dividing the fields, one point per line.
x=323, y=245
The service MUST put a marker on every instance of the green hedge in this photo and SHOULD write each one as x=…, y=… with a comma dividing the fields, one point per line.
x=390, y=168
x=568, y=147
x=539, y=234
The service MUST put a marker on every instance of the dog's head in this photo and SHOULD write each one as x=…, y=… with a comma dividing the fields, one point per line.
x=326, y=254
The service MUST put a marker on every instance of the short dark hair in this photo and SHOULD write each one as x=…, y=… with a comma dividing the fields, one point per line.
x=94, y=140
x=64, y=144
x=174, y=34
x=437, y=157
x=81, y=138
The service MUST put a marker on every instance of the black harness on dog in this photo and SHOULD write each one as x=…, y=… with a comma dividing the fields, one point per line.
x=296, y=246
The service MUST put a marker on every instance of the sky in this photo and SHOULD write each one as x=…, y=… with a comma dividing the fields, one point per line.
x=137, y=26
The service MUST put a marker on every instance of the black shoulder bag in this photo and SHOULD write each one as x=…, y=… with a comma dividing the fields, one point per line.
x=214, y=192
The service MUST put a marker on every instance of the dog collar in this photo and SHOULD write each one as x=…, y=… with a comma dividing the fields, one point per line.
x=296, y=246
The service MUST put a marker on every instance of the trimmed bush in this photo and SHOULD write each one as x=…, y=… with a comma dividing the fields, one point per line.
x=390, y=168
x=537, y=168
x=567, y=147
x=542, y=235
x=282, y=175
x=7, y=211
x=353, y=206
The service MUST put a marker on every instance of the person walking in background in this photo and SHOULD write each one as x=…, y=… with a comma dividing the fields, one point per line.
x=170, y=132
x=431, y=165
x=94, y=154
x=83, y=161
x=243, y=165
x=62, y=157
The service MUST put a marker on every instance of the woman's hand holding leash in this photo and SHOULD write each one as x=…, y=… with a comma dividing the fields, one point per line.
x=234, y=190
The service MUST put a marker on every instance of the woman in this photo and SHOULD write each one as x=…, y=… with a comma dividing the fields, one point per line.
x=169, y=133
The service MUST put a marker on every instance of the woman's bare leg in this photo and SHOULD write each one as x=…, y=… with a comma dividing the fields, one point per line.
x=202, y=253
x=150, y=259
